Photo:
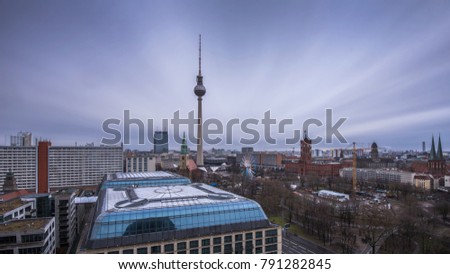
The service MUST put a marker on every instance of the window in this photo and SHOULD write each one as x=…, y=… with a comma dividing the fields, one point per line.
x=128, y=251
x=8, y=240
x=248, y=247
x=113, y=252
x=206, y=250
x=238, y=237
x=193, y=244
x=258, y=250
x=206, y=242
x=238, y=248
x=32, y=238
x=227, y=239
x=194, y=251
x=272, y=240
x=258, y=242
x=217, y=241
x=142, y=250
x=271, y=248
x=7, y=251
x=217, y=249
x=249, y=236
x=258, y=234
x=181, y=252
x=156, y=249
x=181, y=246
x=272, y=232
x=168, y=248
x=32, y=250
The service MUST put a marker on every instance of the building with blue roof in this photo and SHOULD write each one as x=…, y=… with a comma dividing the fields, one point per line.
x=162, y=212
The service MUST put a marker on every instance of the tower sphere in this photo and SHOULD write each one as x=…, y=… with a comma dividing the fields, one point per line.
x=199, y=89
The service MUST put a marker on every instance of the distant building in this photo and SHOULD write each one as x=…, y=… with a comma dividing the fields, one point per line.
x=28, y=236
x=261, y=159
x=160, y=142
x=160, y=212
x=22, y=139
x=247, y=150
x=306, y=167
x=140, y=164
x=424, y=181
x=378, y=175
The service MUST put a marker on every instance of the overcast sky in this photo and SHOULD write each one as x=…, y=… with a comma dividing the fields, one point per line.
x=66, y=66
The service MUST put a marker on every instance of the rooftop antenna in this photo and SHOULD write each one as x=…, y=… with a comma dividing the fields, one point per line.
x=199, y=54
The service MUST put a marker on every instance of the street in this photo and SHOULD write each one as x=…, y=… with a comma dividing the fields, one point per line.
x=293, y=244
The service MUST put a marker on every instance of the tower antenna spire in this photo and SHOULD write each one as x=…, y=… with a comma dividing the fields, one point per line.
x=199, y=54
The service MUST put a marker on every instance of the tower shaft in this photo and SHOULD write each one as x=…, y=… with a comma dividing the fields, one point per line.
x=200, y=134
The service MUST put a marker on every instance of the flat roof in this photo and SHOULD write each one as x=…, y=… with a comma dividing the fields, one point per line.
x=11, y=205
x=25, y=224
x=144, y=175
x=140, y=198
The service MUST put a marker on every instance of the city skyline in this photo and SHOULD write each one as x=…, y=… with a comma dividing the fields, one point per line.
x=67, y=67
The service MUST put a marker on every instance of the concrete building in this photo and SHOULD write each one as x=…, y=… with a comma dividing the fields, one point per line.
x=29, y=236
x=82, y=165
x=22, y=139
x=262, y=159
x=378, y=175
x=140, y=164
x=22, y=162
x=15, y=209
x=160, y=212
x=65, y=219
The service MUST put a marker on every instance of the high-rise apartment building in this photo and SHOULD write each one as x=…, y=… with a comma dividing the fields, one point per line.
x=58, y=166
x=22, y=162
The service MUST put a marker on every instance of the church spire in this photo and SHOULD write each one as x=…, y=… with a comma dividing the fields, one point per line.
x=439, y=155
x=433, y=150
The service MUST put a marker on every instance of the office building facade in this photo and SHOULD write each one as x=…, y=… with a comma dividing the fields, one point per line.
x=28, y=236
x=160, y=142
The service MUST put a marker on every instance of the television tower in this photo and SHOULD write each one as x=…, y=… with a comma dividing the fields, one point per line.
x=199, y=90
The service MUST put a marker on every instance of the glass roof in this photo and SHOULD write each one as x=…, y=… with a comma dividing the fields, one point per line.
x=141, y=207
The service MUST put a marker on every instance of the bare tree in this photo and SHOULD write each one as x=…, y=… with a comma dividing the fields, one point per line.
x=442, y=209
x=377, y=225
